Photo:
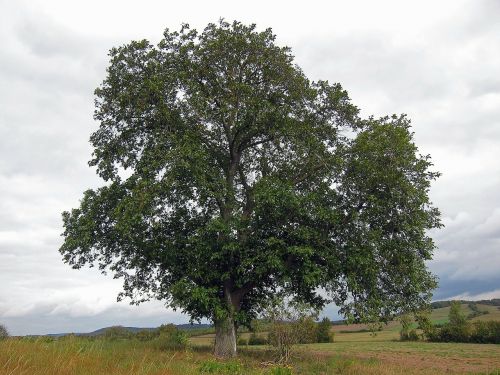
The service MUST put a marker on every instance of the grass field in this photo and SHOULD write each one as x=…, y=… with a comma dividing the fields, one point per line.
x=354, y=351
x=361, y=355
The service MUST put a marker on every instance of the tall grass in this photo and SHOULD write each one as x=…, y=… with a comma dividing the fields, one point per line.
x=90, y=356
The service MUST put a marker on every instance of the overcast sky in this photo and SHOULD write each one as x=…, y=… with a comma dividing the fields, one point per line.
x=437, y=61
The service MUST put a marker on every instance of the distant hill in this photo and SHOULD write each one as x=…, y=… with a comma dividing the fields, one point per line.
x=440, y=310
x=490, y=302
x=101, y=331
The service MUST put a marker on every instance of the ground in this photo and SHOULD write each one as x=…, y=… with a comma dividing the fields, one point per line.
x=355, y=351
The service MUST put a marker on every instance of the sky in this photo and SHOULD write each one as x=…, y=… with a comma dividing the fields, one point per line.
x=437, y=61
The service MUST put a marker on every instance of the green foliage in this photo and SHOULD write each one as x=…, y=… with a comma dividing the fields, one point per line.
x=167, y=329
x=481, y=332
x=374, y=327
x=242, y=341
x=146, y=335
x=255, y=339
x=306, y=330
x=424, y=323
x=457, y=329
x=490, y=302
x=3, y=332
x=486, y=332
x=229, y=175
x=280, y=370
x=215, y=367
x=324, y=331
x=171, y=338
x=457, y=318
x=288, y=324
x=406, y=333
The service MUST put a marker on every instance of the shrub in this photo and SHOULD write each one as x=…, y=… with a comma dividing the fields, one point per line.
x=323, y=331
x=481, y=332
x=117, y=333
x=242, y=341
x=450, y=333
x=458, y=329
x=406, y=322
x=288, y=322
x=375, y=327
x=3, y=332
x=146, y=335
x=257, y=340
x=306, y=330
x=424, y=323
x=167, y=328
x=486, y=332
x=171, y=338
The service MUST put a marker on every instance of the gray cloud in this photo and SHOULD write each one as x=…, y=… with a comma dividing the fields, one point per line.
x=441, y=67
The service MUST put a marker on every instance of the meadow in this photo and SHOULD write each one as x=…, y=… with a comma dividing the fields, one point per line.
x=355, y=351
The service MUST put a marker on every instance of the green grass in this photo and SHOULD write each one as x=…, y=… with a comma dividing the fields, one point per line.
x=440, y=316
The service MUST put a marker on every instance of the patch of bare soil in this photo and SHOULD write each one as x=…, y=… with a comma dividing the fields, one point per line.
x=426, y=362
x=445, y=365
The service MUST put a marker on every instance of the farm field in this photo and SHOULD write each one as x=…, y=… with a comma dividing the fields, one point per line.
x=355, y=351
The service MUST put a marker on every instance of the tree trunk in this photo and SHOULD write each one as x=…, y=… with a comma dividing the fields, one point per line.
x=225, y=338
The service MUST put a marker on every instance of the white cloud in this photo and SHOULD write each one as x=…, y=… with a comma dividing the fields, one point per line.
x=476, y=297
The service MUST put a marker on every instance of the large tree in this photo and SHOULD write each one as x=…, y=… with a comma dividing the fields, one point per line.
x=231, y=177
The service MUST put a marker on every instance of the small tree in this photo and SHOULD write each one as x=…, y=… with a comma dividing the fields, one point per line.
x=423, y=319
x=457, y=329
x=3, y=332
x=456, y=316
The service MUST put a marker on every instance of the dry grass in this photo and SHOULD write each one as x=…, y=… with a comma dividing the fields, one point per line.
x=362, y=355
x=352, y=353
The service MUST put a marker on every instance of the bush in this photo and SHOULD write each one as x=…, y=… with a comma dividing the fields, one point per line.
x=117, y=333
x=424, y=323
x=242, y=341
x=407, y=333
x=481, y=332
x=459, y=330
x=257, y=340
x=146, y=335
x=171, y=338
x=323, y=331
x=3, y=332
x=486, y=332
x=288, y=322
x=451, y=333
x=306, y=329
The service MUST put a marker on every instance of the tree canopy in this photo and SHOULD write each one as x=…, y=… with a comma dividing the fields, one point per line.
x=230, y=177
